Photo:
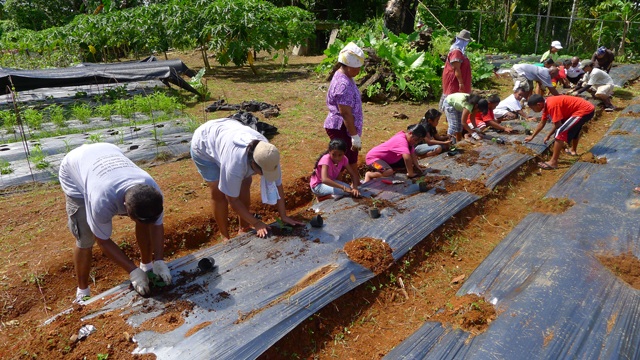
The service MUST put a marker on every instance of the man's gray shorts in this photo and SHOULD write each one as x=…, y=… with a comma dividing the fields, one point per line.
x=519, y=81
x=77, y=222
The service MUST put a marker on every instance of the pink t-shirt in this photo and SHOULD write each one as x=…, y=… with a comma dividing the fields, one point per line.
x=391, y=151
x=333, y=169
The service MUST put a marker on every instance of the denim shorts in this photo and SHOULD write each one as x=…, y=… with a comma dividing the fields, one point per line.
x=77, y=222
x=424, y=149
x=209, y=170
x=454, y=118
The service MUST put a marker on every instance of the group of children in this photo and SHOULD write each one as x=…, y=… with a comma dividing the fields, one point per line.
x=404, y=148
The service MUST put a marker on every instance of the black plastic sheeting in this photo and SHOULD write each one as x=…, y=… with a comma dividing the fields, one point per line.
x=248, y=303
x=555, y=300
x=89, y=73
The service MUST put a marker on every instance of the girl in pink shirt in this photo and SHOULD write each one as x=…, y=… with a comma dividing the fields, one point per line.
x=327, y=170
x=397, y=152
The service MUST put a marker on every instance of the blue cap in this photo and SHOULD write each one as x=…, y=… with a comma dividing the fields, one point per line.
x=601, y=50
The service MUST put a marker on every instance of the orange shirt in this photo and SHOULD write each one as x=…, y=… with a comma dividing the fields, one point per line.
x=562, y=107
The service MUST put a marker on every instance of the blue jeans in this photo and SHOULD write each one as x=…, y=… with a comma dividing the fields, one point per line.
x=424, y=149
x=324, y=190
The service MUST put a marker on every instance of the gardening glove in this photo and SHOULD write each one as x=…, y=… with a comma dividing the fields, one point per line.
x=356, y=143
x=161, y=269
x=140, y=281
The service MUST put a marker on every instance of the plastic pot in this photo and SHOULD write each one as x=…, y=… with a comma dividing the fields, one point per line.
x=423, y=187
x=374, y=213
x=316, y=221
x=206, y=264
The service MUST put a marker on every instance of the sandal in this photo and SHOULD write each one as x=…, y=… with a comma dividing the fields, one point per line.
x=569, y=152
x=545, y=166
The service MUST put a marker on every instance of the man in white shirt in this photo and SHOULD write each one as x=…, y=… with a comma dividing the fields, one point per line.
x=524, y=75
x=574, y=70
x=227, y=154
x=598, y=83
x=99, y=183
x=510, y=108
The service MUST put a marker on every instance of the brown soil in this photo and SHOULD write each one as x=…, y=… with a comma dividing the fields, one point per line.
x=472, y=186
x=625, y=266
x=590, y=158
x=523, y=149
x=469, y=312
x=37, y=277
x=197, y=328
x=374, y=254
x=467, y=157
x=619, y=132
x=171, y=318
x=552, y=205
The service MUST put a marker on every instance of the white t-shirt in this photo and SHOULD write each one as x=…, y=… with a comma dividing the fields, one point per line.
x=101, y=174
x=506, y=105
x=534, y=73
x=597, y=77
x=224, y=142
x=574, y=71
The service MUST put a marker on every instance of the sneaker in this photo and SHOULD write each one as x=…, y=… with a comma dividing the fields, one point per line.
x=81, y=299
x=609, y=109
x=476, y=136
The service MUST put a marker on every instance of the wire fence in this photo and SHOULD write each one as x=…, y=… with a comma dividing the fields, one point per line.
x=533, y=33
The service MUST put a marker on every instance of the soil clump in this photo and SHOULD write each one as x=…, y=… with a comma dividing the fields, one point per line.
x=374, y=254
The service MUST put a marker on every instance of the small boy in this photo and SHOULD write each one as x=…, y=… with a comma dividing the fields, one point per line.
x=488, y=119
x=568, y=114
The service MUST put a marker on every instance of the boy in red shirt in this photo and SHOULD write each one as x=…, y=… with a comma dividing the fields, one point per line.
x=568, y=114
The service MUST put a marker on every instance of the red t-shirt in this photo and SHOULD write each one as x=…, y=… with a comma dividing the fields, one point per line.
x=562, y=107
x=450, y=84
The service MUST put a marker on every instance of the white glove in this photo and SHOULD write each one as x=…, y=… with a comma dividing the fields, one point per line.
x=356, y=143
x=161, y=269
x=140, y=281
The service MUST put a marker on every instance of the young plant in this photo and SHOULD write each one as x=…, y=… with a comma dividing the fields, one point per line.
x=9, y=121
x=81, y=112
x=5, y=167
x=38, y=157
x=56, y=115
x=33, y=118
x=95, y=138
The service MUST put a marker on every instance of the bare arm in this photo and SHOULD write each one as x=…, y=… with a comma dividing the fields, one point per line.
x=349, y=119
x=282, y=209
x=116, y=254
x=262, y=229
x=539, y=128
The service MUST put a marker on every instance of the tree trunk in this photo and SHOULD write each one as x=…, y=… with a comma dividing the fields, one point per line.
x=625, y=29
x=573, y=14
x=400, y=16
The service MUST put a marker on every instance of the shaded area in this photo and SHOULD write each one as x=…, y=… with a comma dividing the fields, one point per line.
x=167, y=71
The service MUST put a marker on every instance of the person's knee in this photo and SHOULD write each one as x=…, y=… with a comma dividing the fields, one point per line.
x=387, y=172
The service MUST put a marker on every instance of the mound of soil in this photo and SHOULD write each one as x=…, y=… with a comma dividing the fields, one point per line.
x=470, y=313
x=552, y=205
x=625, y=266
x=590, y=158
x=521, y=149
x=619, y=132
x=471, y=186
x=467, y=157
x=379, y=203
x=374, y=254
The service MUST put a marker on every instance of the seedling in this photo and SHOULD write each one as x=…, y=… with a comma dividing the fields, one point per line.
x=38, y=157
x=5, y=167
x=374, y=212
x=283, y=226
x=155, y=280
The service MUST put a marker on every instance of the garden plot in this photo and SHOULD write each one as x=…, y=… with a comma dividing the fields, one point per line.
x=263, y=288
x=144, y=127
x=555, y=299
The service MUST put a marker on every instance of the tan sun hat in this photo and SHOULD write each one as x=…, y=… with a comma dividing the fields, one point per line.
x=351, y=55
x=268, y=158
x=464, y=35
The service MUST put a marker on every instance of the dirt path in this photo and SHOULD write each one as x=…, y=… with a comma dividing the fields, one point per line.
x=37, y=278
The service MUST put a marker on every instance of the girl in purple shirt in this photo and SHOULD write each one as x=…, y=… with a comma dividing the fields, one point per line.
x=327, y=170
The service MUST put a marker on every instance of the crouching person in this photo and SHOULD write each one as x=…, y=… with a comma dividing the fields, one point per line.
x=99, y=183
